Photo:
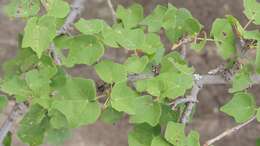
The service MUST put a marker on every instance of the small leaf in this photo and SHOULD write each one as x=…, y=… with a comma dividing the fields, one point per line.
x=159, y=141
x=241, y=107
x=8, y=139
x=92, y=26
x=241, y=81
x=57, y=8
x=224, y=37
x=142, y=135
x=175, y=134
x=193, y=139
x=252, y=10
x=110, y=116
x=135, y=64
x=111, y=72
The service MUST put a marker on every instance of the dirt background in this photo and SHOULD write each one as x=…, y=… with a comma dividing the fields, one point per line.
x=208, y=120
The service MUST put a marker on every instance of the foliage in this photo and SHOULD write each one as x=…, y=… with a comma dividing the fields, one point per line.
x=59, y=102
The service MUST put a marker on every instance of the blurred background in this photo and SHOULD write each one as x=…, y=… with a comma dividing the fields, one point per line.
x=207, y=120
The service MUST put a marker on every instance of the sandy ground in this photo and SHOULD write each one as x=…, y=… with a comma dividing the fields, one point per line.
x=208, y=120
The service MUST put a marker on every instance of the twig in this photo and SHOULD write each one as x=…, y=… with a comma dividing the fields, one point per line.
x=202, y=80
x=228, y=132
x=178, y=101
x=111, y=7
x=135, y=77
x=18, y=110
x=77, y=7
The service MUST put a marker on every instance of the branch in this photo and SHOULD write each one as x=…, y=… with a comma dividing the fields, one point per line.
x=228, y=132
x=76, y=8
x=18, y=110
x=200, y=81
x=111, y=7
x=178, y=101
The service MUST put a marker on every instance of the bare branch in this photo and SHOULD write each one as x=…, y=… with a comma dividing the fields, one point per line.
x=228, y=132
x=18, y=110
x=178, y=101
x=111, y=7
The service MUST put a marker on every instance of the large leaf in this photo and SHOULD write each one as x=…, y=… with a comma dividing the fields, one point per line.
x=151, y=111
x=83, y=49
x=159, y=141
x=123, y=98
x=38, y=34
x=241, y=107
x=33, y=126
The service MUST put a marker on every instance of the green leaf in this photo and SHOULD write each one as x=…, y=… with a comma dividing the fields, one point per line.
x=168, y=115
x=16, y=86
x=182, y=23
x=8, y=139
x=241, y=81
x=22, y=8
x=154, y=21
x=3, y=102
x=57, y=119
x=251, y=10
x=123, y=98
x=175, y=134
x=38, y=34
x=142, y=135
x=110, y=37
x=159, y=141
x=169, y=84
x=57, y=8
x=135, y=64
x=152, y=43
x=83, y=49
x=131, y=39
x=257, y=60
x=193, y=139
x=76, y=89
x=92, y=26
x=33, y=126
x=224, y=37
x=257, y=142
x=111, y=72
x=198, y=46
x=130, y=16
x=57, y=136
x=151, y=111
x=110, y=116
x=241, y=107
x=78, y=112
x=38, y=83
x=258, y=114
